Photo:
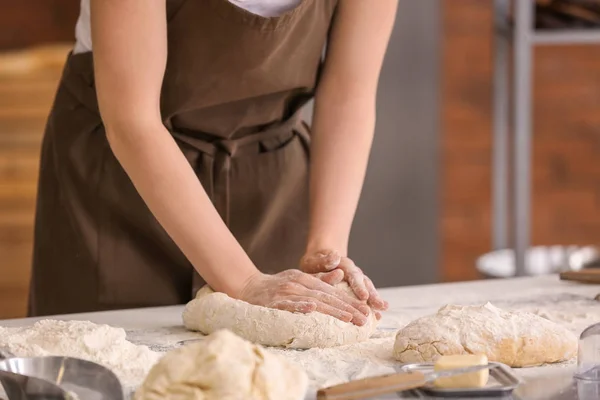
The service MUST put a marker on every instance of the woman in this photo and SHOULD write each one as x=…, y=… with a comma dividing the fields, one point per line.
x=175, y=155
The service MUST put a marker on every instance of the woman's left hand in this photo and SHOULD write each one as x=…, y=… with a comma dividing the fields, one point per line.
x=327, y=262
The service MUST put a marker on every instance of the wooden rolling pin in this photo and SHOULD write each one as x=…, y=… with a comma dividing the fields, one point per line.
x=378, y=385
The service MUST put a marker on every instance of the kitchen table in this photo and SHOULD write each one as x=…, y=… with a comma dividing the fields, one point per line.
x=567, y=303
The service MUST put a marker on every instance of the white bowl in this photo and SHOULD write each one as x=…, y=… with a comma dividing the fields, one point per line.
x=540, y=260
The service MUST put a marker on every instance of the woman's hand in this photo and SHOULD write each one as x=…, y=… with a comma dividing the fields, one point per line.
x=296, y=291
x=328, y=261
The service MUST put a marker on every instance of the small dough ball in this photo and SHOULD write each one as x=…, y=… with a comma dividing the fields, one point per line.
x=226, y=367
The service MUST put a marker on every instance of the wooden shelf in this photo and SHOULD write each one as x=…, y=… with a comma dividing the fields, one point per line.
x=28, y=81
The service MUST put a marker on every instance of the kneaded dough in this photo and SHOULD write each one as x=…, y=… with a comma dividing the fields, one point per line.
x=211, y=311
x=223, y=367
x=515, y=338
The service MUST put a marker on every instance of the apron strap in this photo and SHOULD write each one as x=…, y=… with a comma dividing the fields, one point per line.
x=219, y=152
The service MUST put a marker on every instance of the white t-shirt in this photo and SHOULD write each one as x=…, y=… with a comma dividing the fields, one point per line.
x=265, y=8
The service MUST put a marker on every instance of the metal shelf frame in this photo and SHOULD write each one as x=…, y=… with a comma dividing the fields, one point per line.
x=520, y=39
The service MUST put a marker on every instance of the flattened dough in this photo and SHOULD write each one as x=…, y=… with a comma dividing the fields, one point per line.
x=211, y=311
x=223, y=367
x=515, y=338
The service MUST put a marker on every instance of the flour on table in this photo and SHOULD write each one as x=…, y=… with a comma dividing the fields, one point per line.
x=102, y=344
x=331, y=366
x=210, y=312
x=575, y=316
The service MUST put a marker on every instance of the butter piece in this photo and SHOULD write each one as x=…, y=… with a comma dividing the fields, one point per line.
x=463, y=381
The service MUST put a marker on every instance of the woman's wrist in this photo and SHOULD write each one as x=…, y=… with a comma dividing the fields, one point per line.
x=241, y=284
x=227, y=270
x=235, y=284
x=319, y=243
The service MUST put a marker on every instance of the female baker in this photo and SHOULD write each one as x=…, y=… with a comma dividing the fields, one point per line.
x=175, y=155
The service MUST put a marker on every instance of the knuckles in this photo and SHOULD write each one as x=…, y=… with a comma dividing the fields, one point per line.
x=288, y=287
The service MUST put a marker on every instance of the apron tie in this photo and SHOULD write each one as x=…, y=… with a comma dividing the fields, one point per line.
x=218, y=154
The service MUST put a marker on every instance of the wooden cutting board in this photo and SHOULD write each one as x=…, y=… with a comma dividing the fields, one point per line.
x=585, y=276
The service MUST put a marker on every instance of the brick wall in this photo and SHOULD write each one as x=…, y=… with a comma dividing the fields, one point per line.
x=566, y=150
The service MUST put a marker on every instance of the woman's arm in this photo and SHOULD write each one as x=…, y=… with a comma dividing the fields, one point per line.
x=345, y=118
x=130, y=50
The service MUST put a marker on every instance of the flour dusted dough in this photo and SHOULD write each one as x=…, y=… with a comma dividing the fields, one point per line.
x=515, y=338
x=102, y=344
x=223, y=367
x=211, y=311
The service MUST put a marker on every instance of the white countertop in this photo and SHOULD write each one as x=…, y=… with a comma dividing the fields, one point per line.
x=406, y=303
x=567, y=303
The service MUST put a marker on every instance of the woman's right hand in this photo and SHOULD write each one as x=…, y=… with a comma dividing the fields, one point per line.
x=296, y=291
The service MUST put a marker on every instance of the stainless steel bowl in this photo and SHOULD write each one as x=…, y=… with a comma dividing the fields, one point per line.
x=21, y=387
x=88, y=380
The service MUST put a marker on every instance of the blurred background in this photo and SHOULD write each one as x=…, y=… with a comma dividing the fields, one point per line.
x=428, y=208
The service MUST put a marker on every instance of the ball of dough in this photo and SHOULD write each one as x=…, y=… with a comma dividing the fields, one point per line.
x=515, y=338
x=225, y=367
x=211, y=311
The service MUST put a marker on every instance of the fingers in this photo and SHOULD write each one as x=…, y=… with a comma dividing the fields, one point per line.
x=303, y=306
x=304, y=293
x=355, y=278
x=332, y=278
x=312, y=283
x=320, y=261
x=375, y=301
x=378, y=315
x=358, y=316
x=335, y=312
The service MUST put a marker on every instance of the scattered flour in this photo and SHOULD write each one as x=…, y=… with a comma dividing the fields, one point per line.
x=575, y=316
x=331, y=366
x=102, y=344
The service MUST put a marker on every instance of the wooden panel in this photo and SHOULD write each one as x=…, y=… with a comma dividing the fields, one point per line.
x=26, y=95
x=587, y=276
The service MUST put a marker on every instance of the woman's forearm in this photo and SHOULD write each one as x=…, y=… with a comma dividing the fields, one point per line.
x=343, y=133
x=345, y=118
x=171, y=190
x=130, y=56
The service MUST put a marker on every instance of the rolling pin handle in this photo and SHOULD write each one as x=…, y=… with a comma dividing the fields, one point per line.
x=375, y=386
